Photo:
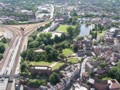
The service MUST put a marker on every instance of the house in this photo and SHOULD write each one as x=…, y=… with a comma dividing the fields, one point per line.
x=87, y=43
x=41, y=70
x=43, y=88
x=54, y=26
x=109, y=40
x=26, y=12
x=91, y=81
x=101, y=85
x=2, y=5
x=72, y=71
x=114, y=84
x=59, y=20
x=102, y=71
x=85, y=75
x=81, y=53
x=106, y=84
x=96, y=49
x=107, y=55
x=89, y=67
x=87, y=46
x=39, y=51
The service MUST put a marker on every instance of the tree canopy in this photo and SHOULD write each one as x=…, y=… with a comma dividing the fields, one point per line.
x=54, y=78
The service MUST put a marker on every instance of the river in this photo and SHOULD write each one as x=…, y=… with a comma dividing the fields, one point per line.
x=85, y=30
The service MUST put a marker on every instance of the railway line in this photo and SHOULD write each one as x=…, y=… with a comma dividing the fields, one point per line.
x=12, y=55
x=10, y=63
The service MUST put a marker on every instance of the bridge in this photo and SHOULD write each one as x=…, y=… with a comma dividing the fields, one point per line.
x=9, y=76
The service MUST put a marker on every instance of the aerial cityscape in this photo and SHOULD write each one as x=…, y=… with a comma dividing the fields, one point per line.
x=59, y=44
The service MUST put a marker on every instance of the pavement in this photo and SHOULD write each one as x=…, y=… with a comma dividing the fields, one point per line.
x=54, y=64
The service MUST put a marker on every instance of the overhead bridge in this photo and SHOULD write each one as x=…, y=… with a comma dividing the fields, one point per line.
x=9, y=76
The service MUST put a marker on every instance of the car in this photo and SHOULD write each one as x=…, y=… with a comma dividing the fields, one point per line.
x=10, y=79
x=2, y=79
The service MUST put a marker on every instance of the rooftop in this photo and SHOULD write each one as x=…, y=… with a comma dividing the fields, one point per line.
x=40, y=67
x=114, y=84
x=39, y=50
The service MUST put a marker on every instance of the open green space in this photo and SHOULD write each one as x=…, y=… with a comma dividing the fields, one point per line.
x=42, y=63
x=63, y=28
x=106, y=78
x=74, y=60
x=67, y=52
x=102, y=33
x=57, y=66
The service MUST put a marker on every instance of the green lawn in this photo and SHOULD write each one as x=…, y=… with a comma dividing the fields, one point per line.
x=74, y=60
x=63, y=28
x=42, y=63
x=102, y=33
x=67, y=52
x=57, y=66
x=106, y=78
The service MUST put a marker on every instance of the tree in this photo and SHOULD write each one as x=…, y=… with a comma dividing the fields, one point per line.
x=69, y=21
x=34, y=44
x=80, y=38
x=70, y=31
x=56, y=38
x=74, y=20
x=30, y=39
x=102, y=64
x=63, y=36
x=77, y=30
x=33, y=36
x=51, y=53
x=2, y=48
x=54, y=78
x=23, y=67
x=30, y=55
x=36, y=83
x=96, y=35
x=24, y=54
x=1, y=56
x=115, y=72
x=4, y=40
x=74, y=13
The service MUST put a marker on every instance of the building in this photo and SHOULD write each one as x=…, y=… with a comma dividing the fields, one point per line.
x=26, y=12
x=81, y=53
x=54, y=26
x=41, y=70
x=114, y=84
x=89, y=67
x=39, y=51
x=106, y=84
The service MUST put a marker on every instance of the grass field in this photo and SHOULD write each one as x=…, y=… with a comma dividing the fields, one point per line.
x=67, y=52
x=63, y=28
x=102, y=33
x=42, y=63
x=106, y=78
x=57, y=66
x=74, y=60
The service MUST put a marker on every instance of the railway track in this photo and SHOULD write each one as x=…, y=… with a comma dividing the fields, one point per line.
x=20, y=45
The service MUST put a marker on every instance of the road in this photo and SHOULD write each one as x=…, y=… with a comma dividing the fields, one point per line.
x=10, y=63
x=52, y=11
x=83, y=66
